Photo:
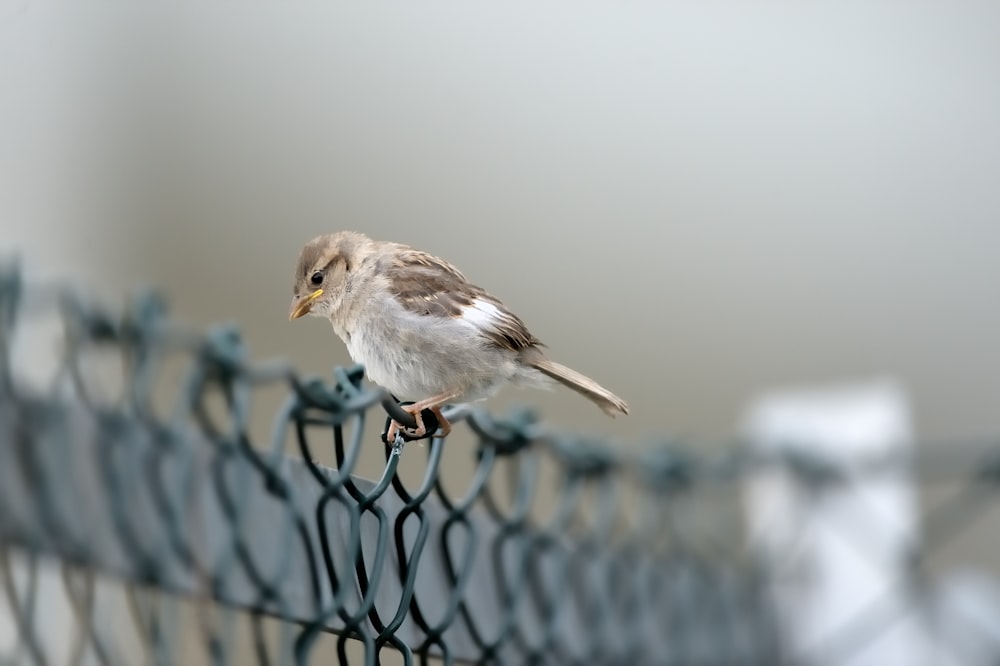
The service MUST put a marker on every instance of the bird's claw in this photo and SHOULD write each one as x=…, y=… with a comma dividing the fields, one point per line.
x=427, y=425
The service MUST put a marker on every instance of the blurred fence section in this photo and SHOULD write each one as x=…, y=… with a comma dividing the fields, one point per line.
x=135, y=530
x=266, y=557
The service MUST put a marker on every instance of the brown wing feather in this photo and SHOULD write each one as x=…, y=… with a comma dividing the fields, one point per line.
x=429, y=286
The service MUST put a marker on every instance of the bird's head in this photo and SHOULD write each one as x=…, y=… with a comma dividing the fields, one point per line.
x=323, y=273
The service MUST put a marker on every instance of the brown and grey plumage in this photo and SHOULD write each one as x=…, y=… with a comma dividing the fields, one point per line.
x=421, y=329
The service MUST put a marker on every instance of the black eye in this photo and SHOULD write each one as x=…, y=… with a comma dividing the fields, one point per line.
x=317, y=278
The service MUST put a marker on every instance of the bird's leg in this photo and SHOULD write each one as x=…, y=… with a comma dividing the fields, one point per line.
x=442, y=422
x=434, y=404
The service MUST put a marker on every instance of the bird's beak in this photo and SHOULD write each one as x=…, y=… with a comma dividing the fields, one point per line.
x=302, y=305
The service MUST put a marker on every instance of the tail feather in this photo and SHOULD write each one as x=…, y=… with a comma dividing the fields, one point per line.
x=585, y=386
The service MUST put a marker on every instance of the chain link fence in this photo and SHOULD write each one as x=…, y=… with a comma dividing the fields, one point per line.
x=155, y=525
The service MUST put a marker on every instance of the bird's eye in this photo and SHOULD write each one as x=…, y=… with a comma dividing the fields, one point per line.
x=317, y=278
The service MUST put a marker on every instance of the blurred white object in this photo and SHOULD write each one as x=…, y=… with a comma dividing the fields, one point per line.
x=837, y=552
x=963, y=615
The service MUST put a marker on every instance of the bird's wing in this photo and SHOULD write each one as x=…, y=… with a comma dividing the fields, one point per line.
x=429, y=286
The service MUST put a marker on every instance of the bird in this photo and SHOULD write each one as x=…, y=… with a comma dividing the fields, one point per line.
x=422, y=331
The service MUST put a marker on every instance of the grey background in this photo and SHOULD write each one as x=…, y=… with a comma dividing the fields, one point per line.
x=689, y=203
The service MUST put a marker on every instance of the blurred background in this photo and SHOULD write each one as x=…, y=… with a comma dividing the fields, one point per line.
x=693, y=203
x=688, y=202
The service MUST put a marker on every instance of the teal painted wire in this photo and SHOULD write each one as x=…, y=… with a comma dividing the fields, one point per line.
x=544, y=573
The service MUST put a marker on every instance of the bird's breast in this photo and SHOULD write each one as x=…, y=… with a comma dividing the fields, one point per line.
x=415, y=357
x=387, y=363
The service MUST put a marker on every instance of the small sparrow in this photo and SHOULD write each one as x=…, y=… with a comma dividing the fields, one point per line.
x=422, y=331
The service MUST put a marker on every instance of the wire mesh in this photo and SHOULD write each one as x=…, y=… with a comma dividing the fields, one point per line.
x=189, y=518
x=135, y=529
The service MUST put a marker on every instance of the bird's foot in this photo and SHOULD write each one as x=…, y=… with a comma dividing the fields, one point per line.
x=438, y=424
x=443, y=423
x=409, y=433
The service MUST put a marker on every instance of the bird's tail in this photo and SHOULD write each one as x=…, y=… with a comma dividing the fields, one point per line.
x=585, y=386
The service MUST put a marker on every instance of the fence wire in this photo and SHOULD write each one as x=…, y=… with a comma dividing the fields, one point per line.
x=133, y=532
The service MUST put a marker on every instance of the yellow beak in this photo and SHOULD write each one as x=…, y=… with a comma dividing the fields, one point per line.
x=302, y=306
